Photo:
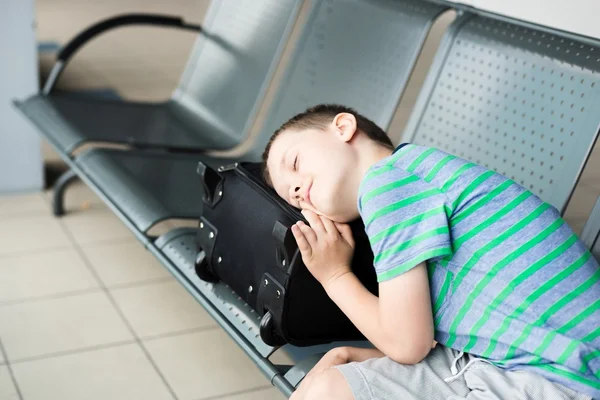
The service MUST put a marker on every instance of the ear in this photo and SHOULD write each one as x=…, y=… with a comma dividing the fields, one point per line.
x=344, y=125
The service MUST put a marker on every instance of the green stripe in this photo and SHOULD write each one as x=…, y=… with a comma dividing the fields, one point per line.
x=419, y=160
x=587, y=359
x=570, y=375
x=412, y=262
x=402, y=203
x=472, y=186
x=568, y=298
x=390, y=186
x=412, y=242
x=442, y=296
x=432, y=174
x=567, y=353
x=401, y=153
x=388, y=166
x=519, y=279
x=590, y=337
x=498, y=240
x=592, y=308
x=567, y=327
x=377, y=172
x=489, y=276
x=455, y=176
x=484, y=200
x=491, y=220
x=556, y=279
x=411, y=221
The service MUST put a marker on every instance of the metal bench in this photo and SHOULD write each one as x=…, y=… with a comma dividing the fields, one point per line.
x=366, y=67
x=227, y=73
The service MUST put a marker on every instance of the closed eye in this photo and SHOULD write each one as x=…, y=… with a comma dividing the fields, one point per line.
x=295, y=162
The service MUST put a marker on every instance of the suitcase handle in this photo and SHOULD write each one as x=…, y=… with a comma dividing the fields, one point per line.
x=286, y=245
x=213, y=184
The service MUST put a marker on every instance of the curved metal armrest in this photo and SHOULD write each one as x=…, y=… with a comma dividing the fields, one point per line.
x=114, y=22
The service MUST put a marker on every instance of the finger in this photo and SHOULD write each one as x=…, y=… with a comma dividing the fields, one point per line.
x=329, y=226
x=346, y=233
x=309, y=233
x=303, y=245
x=314, y=221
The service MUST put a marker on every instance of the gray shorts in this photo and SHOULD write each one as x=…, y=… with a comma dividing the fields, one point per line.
x=444, y=374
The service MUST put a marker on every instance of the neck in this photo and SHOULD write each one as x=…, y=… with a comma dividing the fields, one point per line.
x=370, y=155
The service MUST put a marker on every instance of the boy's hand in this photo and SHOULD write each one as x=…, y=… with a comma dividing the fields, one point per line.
x=326, y=247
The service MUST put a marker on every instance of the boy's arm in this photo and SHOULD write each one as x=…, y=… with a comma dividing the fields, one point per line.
x=399, y=322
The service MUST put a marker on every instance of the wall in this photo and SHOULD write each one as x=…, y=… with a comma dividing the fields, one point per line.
x=21, y=166
x=578, y=16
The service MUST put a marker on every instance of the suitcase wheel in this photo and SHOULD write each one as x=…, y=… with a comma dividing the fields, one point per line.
x=203, y=269
x=267, y=331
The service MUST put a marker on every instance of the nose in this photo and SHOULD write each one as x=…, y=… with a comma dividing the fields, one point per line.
x=295, y=192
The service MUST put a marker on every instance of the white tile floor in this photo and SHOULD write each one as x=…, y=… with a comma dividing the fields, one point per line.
x=85, y=311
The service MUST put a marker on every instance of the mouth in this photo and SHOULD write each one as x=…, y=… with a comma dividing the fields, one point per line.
x=308, y=194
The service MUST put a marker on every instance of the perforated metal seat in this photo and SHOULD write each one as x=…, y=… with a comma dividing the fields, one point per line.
x=150, y=188
x=521, y=100
x=160, y=187
x=179, y=246
x=366, y=66
x=66, y=118
x=215, y=102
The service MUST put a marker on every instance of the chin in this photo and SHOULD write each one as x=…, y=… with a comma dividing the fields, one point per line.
x=343, y=218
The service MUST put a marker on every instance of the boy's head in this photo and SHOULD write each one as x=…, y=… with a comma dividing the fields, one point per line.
x=317, y=159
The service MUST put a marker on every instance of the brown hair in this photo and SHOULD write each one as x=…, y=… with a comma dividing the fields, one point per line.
x=319, y=117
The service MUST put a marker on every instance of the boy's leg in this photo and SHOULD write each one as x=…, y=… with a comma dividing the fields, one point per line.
x=329, y=384
x=383, y=378
x=488, y=382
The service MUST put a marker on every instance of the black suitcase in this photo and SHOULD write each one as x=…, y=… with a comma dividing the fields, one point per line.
x=244, y=239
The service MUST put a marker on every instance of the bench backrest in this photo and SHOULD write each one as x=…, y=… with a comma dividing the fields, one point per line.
x=232, y=63
x=521, y=100
x=353, y=52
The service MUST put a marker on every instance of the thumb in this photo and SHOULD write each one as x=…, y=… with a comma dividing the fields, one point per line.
x=346, y=233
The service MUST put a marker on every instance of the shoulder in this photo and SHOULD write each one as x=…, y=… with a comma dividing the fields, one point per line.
x=388, y=187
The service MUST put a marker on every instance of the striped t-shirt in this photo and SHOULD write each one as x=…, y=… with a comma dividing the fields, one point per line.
x=510, y=281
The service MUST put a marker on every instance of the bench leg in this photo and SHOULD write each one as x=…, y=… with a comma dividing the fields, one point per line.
x=58, y=197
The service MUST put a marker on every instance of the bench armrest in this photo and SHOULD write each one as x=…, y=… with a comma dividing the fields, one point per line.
x=98, y=28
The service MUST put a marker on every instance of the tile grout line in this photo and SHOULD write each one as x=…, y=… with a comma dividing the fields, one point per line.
x=24, y=214
x=61, y=295
x=73, y=351
x=109, y=345
x=147, y=282
x=24, y=253
x=53, y=296
x=150, y=338
x=10, y=371
x=88, y=263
